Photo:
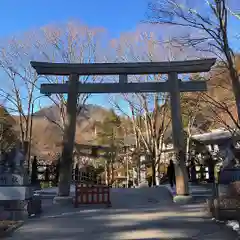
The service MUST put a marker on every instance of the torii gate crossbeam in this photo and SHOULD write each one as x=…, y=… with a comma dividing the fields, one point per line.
x=73, y=88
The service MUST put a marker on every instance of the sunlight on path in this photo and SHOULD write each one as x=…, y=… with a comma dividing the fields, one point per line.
x=132, y=217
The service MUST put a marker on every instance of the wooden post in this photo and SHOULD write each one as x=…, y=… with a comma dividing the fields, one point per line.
x=178, y=136
x=65, y=173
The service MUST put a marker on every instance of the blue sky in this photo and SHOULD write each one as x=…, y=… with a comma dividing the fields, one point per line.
x=116, y=16
x=18, y=16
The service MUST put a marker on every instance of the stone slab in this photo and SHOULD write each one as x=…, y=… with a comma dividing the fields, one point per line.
x=68, y=200
x=222, y=189
x=182, y=199
x=15, y=193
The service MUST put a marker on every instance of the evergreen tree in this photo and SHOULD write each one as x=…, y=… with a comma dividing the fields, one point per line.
x=111, y=134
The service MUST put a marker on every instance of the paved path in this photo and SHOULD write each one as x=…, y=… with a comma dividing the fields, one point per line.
x=200, y=192
x=136, y=214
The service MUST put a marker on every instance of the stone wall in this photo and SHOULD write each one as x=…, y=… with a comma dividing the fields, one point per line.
x=13, y=210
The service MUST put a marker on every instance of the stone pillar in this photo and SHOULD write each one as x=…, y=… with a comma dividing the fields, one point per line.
x=65, y=173
x=178, y=136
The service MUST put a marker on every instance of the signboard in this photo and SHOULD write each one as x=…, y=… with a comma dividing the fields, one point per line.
x=10, y=179
x=95, y=151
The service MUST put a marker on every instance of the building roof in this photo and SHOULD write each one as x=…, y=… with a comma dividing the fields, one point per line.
x=168, y=138
x=215, y=136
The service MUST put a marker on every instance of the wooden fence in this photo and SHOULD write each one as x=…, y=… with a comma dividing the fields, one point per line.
x=92, y=194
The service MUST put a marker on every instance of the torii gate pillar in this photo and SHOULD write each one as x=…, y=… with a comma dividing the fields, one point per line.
x=66, y=161
x=178, y=136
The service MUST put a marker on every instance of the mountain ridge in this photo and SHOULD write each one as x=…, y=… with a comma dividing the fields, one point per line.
x=47, y=134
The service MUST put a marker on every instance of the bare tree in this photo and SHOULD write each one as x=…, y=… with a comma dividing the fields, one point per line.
x=221, y=114
x=191, y=107
x=20, y=82
x=149, y=113
x=71, y=43
x=217, y=104
x=209, y=31
x=149, y=126
x=237, y=15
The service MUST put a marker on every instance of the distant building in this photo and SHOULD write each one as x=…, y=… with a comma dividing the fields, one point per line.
x=219, y=142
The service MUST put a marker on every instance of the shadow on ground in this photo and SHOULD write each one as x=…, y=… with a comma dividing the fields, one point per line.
x=132, y=217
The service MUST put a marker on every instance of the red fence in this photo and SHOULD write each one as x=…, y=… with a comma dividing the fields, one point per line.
x=92, y=194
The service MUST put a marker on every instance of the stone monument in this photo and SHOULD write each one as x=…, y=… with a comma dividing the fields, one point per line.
x=13, y=191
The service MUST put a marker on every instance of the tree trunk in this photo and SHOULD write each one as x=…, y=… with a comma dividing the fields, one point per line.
x=157, y=173
x=153, y=173
x=236, y=91
x=112, y=171
x=127, y=170
x=106, y=172
x=138, y=170
x=188, y=147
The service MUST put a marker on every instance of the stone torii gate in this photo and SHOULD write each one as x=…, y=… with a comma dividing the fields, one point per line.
x=73, y=87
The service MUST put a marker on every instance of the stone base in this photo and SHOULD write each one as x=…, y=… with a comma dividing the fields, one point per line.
x=13, y=210
x=19, y=215
x=66, y=200
x=180, y=199
x=143, y=185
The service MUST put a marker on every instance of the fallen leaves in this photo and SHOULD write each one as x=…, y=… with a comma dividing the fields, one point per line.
x=5, y=224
